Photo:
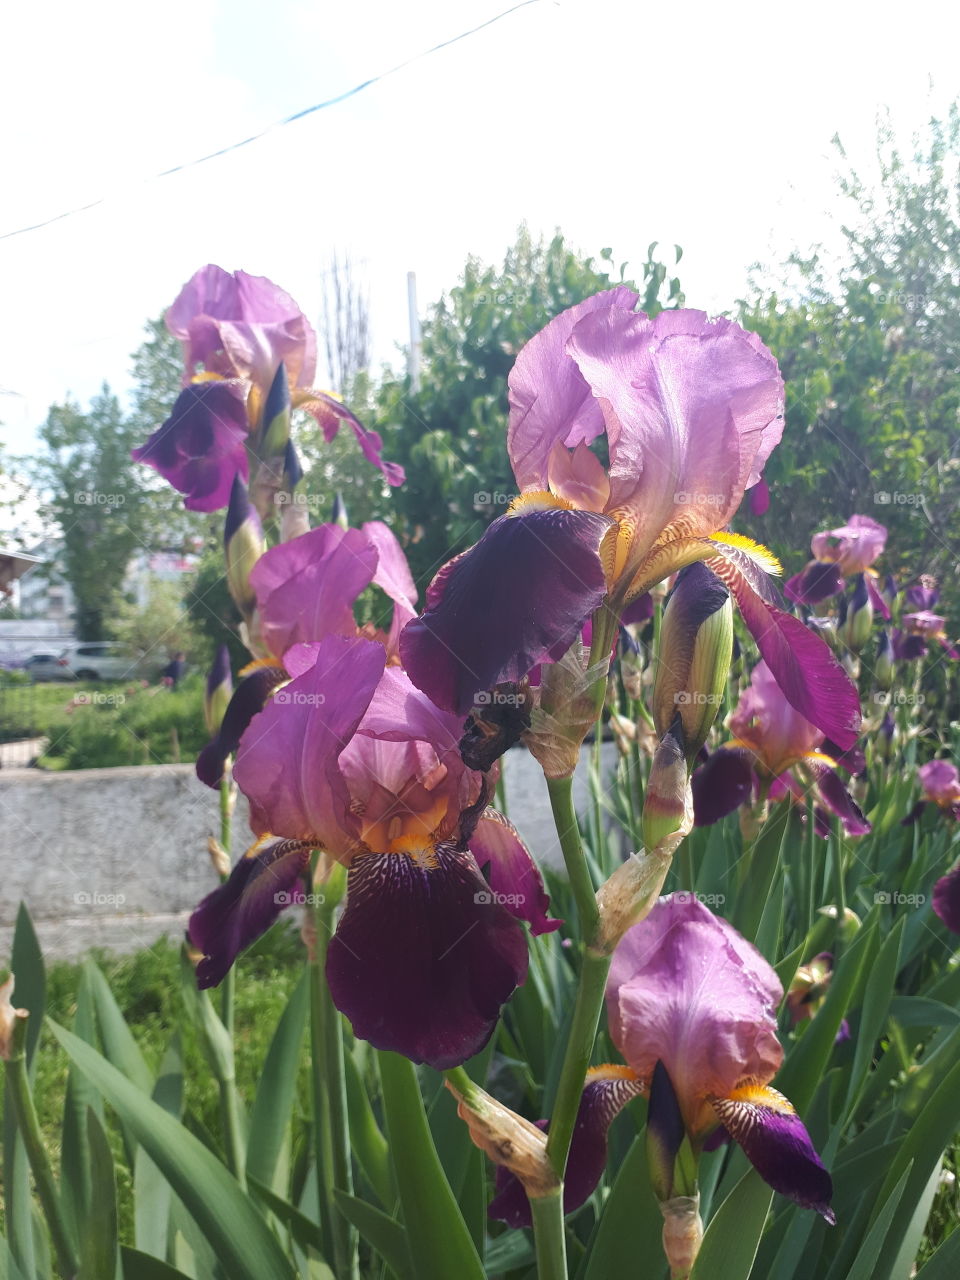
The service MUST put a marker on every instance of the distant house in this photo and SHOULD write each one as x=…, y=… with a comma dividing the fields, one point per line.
x=44, y=592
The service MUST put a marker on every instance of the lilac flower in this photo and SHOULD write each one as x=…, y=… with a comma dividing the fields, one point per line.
x=351, y=759
x=689, y=996
x=692, y=409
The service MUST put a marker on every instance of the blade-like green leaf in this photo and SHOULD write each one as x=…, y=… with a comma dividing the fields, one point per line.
x=75, y=1189
x=732, y=1238
x=381, y=1233
x=151, y=1191
x=865, y=1264
x=222, y=1211
x=8, y=1268
x=142, y=1266
x=98, y=1240
x=119, y=1046
x=876, y=1002
x=630, y=1225
x=30, y=977
x=945, y=1263
x=904, y=1245
x=303, y=1229
x=272, y=1108
x=369, y=1144
x=440, y=1244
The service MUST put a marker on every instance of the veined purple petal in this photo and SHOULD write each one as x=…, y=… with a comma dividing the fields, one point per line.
x=306, y=588
x=818, y=581
x=259, y=887
x=778, y=1146
x=518, y=597
x=287, y=760
x=249, y=697
x=946, y=899
x=514, y=877
x=693, y=408
x=549, y=400
x=422, y=960
x=606, y=1092
x=202, y=445
x=853, y=547
x=839, y=801
x=810, y=677
x=720, y=785
x=330, y=414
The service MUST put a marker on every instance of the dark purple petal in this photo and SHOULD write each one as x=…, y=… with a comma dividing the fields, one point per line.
x=923, y=595
x=249, y=697
x=202, y=445
x=946, y=899
x=639, y=610
x=810, y=677
x=721, y=785
x=519, y=596
x=818, y=581
x=665, y=1132
x=908, y=647
x=840, y=803
x=512, y=874
x=778, y=1146
x=259, y=887
x=423, y=959
x=607, y=1091
x=852, y=760
x=759, y=498
x=914, y=814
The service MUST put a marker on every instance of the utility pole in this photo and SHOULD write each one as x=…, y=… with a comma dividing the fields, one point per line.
x=413, y=351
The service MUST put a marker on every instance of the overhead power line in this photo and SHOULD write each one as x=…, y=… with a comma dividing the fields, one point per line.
x=279, y=124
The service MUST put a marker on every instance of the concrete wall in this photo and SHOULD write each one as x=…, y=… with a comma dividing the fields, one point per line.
x=117, y=857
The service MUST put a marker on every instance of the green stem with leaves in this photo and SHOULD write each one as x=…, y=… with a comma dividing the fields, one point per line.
x=548, y=1236
x=18, y=1087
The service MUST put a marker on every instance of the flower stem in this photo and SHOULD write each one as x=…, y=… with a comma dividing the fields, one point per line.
x=18, y=1087
x=568, y=833
x=551, y=1245
x=228, y=985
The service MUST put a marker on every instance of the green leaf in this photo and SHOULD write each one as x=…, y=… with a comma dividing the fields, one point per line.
x=119, y=1046
x=382, y=1233
x=630, y=1224
x=142, y=1266
x=369, y=1144
x=732, y=1237
x=236, y=1232
x=945, y=1263
x=75, y=1178
x=151, y=1190
x=30, y=977
x=440, y=1244
x=8, y=1267
x=918, y=1011
x=98, y=1240
x=270, y=1117
x=509, y=1251
x=303, y=1229
x=865, y=1264
x=876, y=1002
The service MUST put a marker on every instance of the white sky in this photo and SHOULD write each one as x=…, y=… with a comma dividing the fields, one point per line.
x=705, y=124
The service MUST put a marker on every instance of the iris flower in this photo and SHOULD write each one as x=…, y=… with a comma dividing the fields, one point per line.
x=303, y=591
x=686, y=411
x=349, y=758
x=918, y=628
x=688, y=996
x=771, y=743
x=236, y=329
x=839, y=554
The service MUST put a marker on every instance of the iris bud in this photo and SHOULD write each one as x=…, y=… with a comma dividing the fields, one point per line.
x=243, y=544
x=219, y=690
x=859, y=620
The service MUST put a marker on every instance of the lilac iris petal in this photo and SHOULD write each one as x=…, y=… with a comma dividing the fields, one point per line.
x=818, y=581
x=853, y=547
x=759, y=498
x=923, y=595
x=693, y=409
x=202, y=445
x=720, y=785
x=238, y=325
x=941, y=782
x=330, y=414
x=907, y=647
x=422, y=960
x=607, y=1091
x=549, y=400
x=287, y=760
x=810, y=677
x=393, y=577
x=946, y=899
x=686, y=989
x=228, y=920
x=306, y=588
x=876, y=599
x=513, y=875
x=778, y=1146
x=249, y=697
x=518, y=597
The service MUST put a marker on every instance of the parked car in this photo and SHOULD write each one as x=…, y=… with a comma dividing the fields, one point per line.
x=47, y=666
x=101, y=660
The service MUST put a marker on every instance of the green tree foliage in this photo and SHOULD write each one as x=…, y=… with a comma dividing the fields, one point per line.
x=92, y=494
x=160, y=627
x=871, y=359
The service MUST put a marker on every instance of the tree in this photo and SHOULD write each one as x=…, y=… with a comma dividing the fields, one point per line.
x=345, y=324
x=91, y=492
x=160, y=627
x=871, y=357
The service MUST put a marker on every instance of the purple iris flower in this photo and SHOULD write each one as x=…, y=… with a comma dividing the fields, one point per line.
x=305, y=590
x=771, y=741
x=351, y=759
x=691, y=409
x=687, y=992
x=201, y=447
x=839, y=554
x=918, y=628
x=922, y=595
